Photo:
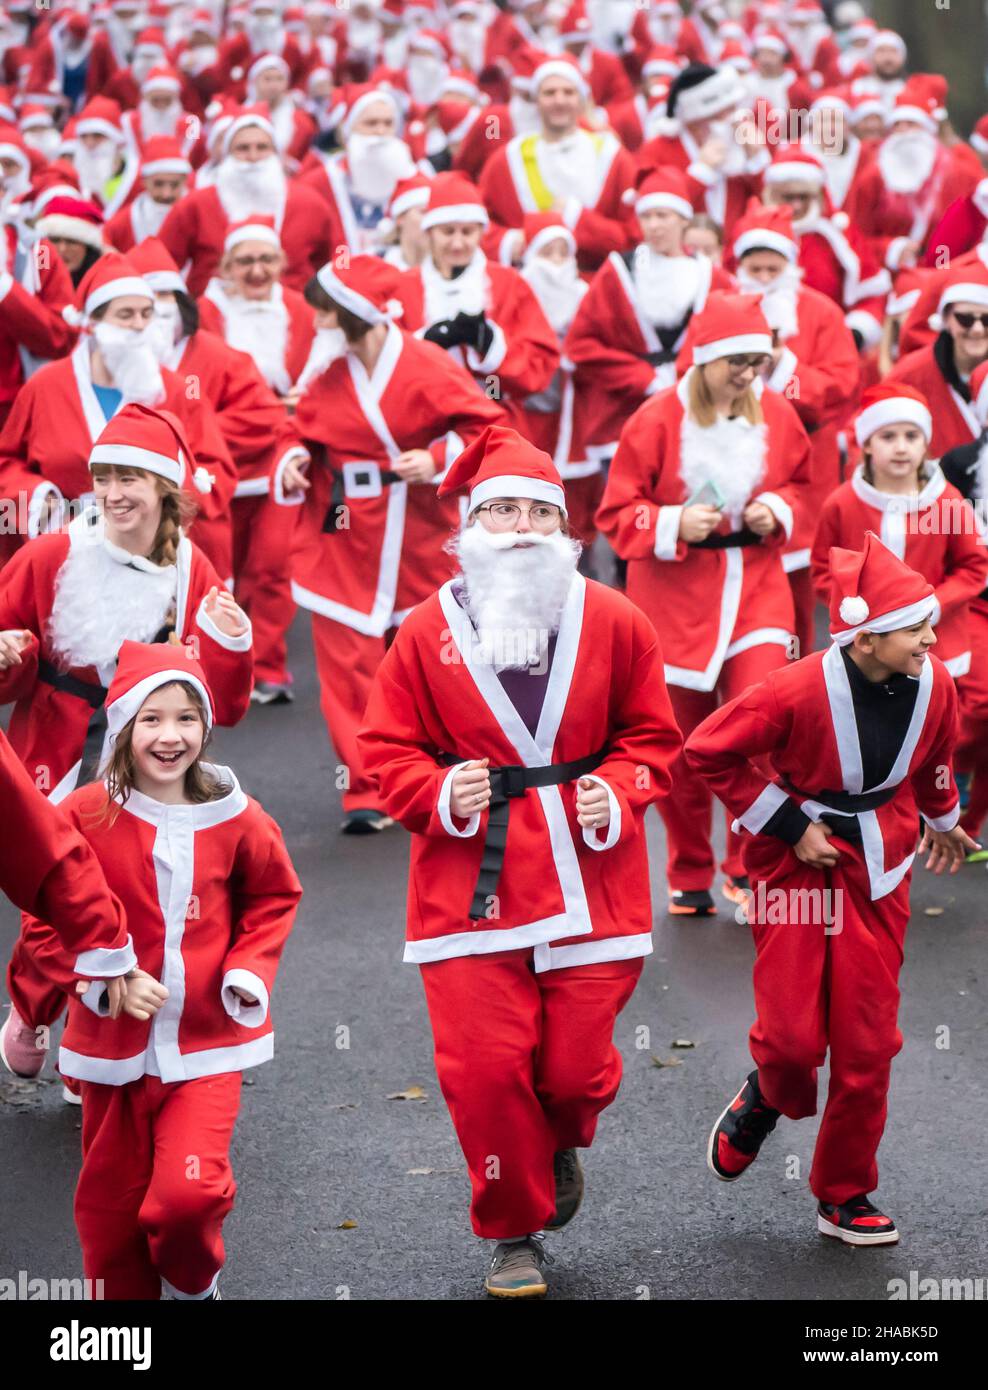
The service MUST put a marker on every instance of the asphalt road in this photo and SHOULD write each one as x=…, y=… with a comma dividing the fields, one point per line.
x=320, y=1145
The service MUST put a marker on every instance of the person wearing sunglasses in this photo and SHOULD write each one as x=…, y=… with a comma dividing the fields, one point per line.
x=942, y=370
x=704, y=492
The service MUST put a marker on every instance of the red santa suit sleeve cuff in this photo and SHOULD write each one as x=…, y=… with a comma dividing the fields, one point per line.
x=494, y=355
x=106, y=962
x=247, y=1015
x=612, y=831
x=783, y=371
x=6, y=284
x=283, y=498
x=945, y=822
x=779, y=508
x=667, y=534
x=230, y=644
x=95, y=998
x=445, y=814
x=861, y=322
x=36, y=508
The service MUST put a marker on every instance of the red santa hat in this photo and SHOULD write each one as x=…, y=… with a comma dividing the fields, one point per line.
x=203, y=22
x=462, y=85
x=500, y=463
x=139, y=436
x=575, y=27
x=917, y=102
x=764, y=228
x=453, y=198
x=729, y=324
x=254, y=228
x=162, y=154
x=156, y=264
x=662, y=61
x=161, y=79
x=887, y=38
x=366, y=287
x=359, y=96
x=979, y=135
x=266, y=61
x=891, y=403
x=108, y=278
x=908, y=284
x=71, y=217
x=257, y=115
x=979, y=393
x=865, y=103
x=795, y=164
x=412, y=192
x=12, y=146
x=143, y=668
x=34, y=117
x=665, y=187
x=7, y=111
x=540, y=229
x=100, y=116
x=872, y=590
x=770, y=38
x=963, y=284
x=832, y=99
x=562, y=66
x=430, y=41
x=735, y=55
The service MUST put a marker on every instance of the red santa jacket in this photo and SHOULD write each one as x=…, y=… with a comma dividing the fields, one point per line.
x=48, y=869
x=211, y=896
x=842, y=264
x=611, y=341
x=935, y=532
x=324, y=176
x=214, y=310
x=511, y=185
x=930, y=370
x=705, y=603
x=385, y=552
x=891, y=219
x=577, y=896
x=723, y=199
x=916, y=331
x=228, y=75
x=34, y=289
x=801, y=720
x=195, y=229
x=49, y=722
x=491, y=128
x=524, y=353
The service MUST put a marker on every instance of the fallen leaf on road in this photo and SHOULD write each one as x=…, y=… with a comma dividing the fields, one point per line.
x=683, y=1042
x=347, y=1225
x=666, y=1062
x=410, y=1093
x=419, y=1172
x=934, y=911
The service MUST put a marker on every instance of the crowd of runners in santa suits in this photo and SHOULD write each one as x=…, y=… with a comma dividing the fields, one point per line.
x=424, y=316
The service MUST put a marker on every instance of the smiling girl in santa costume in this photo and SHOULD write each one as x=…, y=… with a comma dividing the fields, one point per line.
x=903, y=496
x=121, y=570
x=210, y=896
x=858, y=740
x=701, y=499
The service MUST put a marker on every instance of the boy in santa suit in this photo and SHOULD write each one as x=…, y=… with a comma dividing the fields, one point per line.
x=362, y=457
x=703, y=493
x=169, y=108
x=814, y=365
x=62, y=410
x=483, y=314
x=250, y=416
x=723, y=161
x=165, y=171
x=519, y=727
x=627, y=331
x=905, y=499
x=563, y=167
x=942, y=370
x=249, y=179
x=163, y=1081
x=858, y=739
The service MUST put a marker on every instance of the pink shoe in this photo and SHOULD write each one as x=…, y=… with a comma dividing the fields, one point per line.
x=19, y=1047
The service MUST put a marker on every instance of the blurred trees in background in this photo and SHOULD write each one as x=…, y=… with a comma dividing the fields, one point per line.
x=949, y=37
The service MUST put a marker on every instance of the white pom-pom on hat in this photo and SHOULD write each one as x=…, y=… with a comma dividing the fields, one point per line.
x=854, y=610
x=204, y=480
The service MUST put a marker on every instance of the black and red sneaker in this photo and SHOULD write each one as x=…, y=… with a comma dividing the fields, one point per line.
x=740, y=1132
x=856, y=1222
x=691, y=903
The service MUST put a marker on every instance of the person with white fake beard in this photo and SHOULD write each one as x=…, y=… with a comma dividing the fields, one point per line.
x=519, y=727
x=356, y=184
x=483, y=314
x=62, y=409
x=113, y=46
x=150, y=53
x=267, y=81
x=703, y=493
x=263, y=32
x=104, y=166
x=249, y=179
x=38, y=130
x=160, y=112
x=632, y=323
x=721, y=156
x=912, y=179
x=812, y=43
x=165, y=172
x=814, y=364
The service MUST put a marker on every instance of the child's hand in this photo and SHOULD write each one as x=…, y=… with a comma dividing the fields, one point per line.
x=145, y=995
x=813, y=847
x=946, y=847
x=243, y=995
x=593, y=808
x=222, y=608
x=116, y=992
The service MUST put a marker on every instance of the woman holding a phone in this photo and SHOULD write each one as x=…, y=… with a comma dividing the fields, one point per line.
x=700, y=501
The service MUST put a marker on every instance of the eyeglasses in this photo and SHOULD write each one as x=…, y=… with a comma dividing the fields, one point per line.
x=967, y=321
x=504, y=515
x=756, y=361
x=268, y=260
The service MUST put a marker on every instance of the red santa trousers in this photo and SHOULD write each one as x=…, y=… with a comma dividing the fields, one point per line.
x=582, y=500
x=156, y=1184
x=526, y=1063
x=972, y=748
x=687, y=810
x=36, y=999
x=804, y=603
x=346, y=662
x=262, y=541
x=826, y=974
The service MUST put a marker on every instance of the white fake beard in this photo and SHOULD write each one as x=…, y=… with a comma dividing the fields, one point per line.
x=362, y=35
x=14, y=187
x=101, y=603
x=95, y=167
x=259, y=327
x=155, y=122
x=664, y=29
x=196, y=60
x=558, y=288
x=265, y=35
x=376, y=163
x=736, y=159
x=610, y=20
x=780, y=302
x=131, y=361
x=425, y=74
x=164, y=330
x=804, y=43
x=327, y=345
x=730, y=453
x=469, y=43
x=45, y=141
x=246, y=188
x=515, y=594
x=147, y=216
x=906, y=159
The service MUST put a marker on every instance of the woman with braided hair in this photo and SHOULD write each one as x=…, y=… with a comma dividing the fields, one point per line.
x=121, y=570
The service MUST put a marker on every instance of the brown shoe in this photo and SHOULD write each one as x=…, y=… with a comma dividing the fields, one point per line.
x=568, y=1173
x=516, y=1269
